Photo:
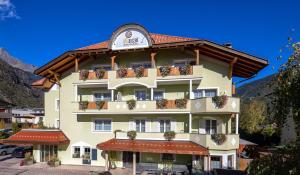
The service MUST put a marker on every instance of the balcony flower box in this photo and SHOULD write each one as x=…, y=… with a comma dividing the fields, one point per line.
x=181, y=103
x=220, y=101
x=185, y=70
x=122, y=72
x=100, y=72
x=161, y=103
x=165, y=70
x=139, y=72
x=84, y=74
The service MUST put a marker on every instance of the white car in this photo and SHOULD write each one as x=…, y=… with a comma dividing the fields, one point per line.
x=7, y=149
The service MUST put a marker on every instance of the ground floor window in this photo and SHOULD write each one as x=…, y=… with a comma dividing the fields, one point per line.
x=76, y=153
x=230, y=161
x=216, y=162
x=165, y=125
x=140, y=125
x=168, y=157
x=47, y=152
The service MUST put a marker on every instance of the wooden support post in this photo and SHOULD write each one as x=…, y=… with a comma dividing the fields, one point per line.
x=113, y=62
x=231, y=68
x=153, y=65
x=106, y=161
x=56, y=76
x=134, y=163
x=76, y=64
x=197, y=56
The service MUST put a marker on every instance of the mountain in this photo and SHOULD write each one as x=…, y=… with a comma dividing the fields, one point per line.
x=5, y=56
x=15, y=83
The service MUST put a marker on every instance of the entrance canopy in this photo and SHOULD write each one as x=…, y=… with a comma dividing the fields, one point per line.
x=38, y=136
x=169, y=147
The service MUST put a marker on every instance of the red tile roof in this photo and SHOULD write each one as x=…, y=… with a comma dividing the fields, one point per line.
x=171, y=147
x=38, y=136
x=157, y=39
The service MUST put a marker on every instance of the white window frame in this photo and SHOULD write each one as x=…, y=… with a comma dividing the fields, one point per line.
x=56, y=106
x=81, y=145
x=206, y=88
x=57, y=123
x=102, y=131
x=174, y=156
x=147, y=95
x=210, y=123
x=73, y=151
x=159, y=119
x=102, y=91
x=163, y=90
x=140, y=119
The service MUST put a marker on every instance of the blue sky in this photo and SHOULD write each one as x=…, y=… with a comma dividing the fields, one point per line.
x=37, y=31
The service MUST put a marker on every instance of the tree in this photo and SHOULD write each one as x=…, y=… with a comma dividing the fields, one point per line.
x=253, y=116
x=15, y=127
x=2, y=124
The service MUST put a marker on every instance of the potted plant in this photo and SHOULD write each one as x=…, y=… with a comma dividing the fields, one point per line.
x=220, y=101
x=28, y=159
x=218, y=138
x=83, y=105
x=169, y=135
x=131, y=135
x=181, y=103
x=122, y=72
x=161, y=103
x=100, y=104
x=185, y=70
x=131, y=104
x=100, y=72
x=84, y=74
x=165, y=70
x=139, y=71
x=86, y=158
x=54, y=161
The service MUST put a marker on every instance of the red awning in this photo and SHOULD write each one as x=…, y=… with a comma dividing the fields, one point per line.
x=38, y=136
x=171, y=147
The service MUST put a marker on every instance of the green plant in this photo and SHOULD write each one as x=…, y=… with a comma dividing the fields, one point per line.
x=25, y=125
x=100, y=104
x=165, y=70
x=139, y=71
x=2, y=124
x=185, y=70
x=84, y=74
x=218, y=138
x=122, y=72
x=220, y=101
x=131, y=135
x=169, y=135
x=41, y=124
x=100, y=72
x=181, y=103
x=54, y=161
x=28, y=156
x=161, y=103
x=83, y=105
x=16, y=127
x=86, y=156
x=131, y=104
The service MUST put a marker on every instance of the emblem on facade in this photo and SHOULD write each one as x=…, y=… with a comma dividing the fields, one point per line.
x=128, y=34
x=233, y=105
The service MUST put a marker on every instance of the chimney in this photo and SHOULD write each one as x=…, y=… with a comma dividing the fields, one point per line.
x=228, y=45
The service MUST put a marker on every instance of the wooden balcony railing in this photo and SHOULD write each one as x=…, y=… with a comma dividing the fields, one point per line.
x=92, y=76
x=132, y=74
x=175, y=72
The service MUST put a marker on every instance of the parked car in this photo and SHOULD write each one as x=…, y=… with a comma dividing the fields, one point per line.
x=20, y=152
x=7, y=149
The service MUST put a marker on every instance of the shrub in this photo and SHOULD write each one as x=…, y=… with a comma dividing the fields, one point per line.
x=165, y=70
x=161, y=103
x=83, y=105
x=220, y=101
x=84, y=74
x=169, y=135
x=122, y=72
x=131, y=104
x=16, y=127
x=139, y=71
x=185, y=70
x=131, y=135
x=100, y=72
x=180, y=103
x=28, y=156
x=218, y=138
x=100, y=104
x=54, y=161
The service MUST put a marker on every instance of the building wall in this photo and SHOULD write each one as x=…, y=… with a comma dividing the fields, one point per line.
x=51, y=114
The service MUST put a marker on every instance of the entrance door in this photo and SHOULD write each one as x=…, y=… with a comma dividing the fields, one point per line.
x=216, y=162
x=47, y=152
x=128, y=159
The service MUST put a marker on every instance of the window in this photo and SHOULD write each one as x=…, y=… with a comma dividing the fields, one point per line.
x=76, y=153
x=102, y=96
x=158, y=94
x=200, y=93
x=144, y=64
x=211, y=126
x=230, y=161
x=168, y=157
x=87, y=152
x=165, y=125
x=103, y=125
x=140, y=125
x=140, y=95
x=57, y=123
x=216, y=162
x=180, y=63
x=57, y=104
x=107, y=67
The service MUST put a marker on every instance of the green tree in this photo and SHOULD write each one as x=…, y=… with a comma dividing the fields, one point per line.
x=253, y=116
x=15, y=127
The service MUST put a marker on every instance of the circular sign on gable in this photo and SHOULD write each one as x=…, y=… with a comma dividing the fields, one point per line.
x=128, y=34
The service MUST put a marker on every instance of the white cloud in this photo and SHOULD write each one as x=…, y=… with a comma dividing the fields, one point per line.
x=7, y=10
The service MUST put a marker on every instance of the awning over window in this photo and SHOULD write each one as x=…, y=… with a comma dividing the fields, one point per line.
x=170, y=147
x=38, y=136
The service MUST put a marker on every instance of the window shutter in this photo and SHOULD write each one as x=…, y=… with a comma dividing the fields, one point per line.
x=148, y=125
x=94, y=154
x=173, y=125
x=131, y=125
x=201, y=126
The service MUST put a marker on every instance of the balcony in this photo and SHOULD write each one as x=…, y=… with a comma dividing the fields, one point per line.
x=206, y=105
x=175, y=73
x=231, y=142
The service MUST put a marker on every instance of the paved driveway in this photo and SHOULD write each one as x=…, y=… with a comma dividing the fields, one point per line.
x=11, y=166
